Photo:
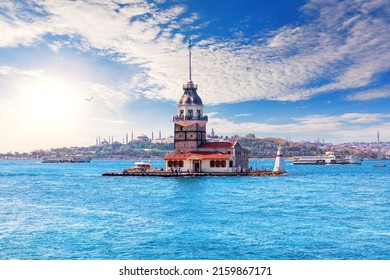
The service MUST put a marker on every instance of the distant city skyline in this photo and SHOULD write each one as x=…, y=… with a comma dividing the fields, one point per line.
x=73, y=70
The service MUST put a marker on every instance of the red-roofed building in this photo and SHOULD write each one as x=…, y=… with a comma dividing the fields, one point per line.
x=210, y=157
x=192, y=152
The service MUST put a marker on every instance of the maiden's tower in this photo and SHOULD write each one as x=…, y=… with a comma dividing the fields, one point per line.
x=191, y=150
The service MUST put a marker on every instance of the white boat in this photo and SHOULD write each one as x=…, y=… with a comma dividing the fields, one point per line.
x=379, y=165
x=66, y=160
x=142, y=165
x=354, y=159
x=328, y=158
x=139, y=166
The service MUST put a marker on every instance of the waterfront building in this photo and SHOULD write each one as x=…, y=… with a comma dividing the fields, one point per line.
x=192, y=152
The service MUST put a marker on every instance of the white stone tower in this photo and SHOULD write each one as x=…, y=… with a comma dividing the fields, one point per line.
x=279, y=162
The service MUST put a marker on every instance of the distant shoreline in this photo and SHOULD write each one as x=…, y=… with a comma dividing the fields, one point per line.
x=94, y=159
x=131, y=159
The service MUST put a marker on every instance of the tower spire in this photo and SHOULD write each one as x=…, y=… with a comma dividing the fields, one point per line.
x=189, y=57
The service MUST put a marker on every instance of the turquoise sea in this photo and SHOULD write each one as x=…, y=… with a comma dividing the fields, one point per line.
x=71, y=212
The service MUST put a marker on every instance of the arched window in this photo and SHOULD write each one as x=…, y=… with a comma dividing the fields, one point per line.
x=217, y=163
x=212, y=163
x=181, y=164
x=223, y=163
x=169, y=163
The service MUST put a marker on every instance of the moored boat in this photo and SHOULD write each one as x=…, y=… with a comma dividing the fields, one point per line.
x=142, y=165
x=139, y=166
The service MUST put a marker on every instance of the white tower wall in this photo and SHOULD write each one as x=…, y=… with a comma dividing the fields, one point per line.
x=279, y=162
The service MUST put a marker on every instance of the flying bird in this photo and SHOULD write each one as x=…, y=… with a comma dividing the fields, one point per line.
x=89, y=99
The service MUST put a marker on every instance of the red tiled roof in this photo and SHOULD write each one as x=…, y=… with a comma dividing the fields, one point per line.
x=197, y=155
x=216, y=145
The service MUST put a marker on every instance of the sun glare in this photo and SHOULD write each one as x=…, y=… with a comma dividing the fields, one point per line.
x=51, y=104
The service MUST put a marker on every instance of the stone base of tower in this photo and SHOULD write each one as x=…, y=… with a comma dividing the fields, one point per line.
x=193, y=174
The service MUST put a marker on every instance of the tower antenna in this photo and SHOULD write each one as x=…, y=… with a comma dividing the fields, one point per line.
x=189, y=57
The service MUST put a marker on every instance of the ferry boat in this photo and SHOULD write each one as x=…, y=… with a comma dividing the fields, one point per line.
x=51, y=160
x=78, y=160
x=354, y=159
x=66, y=160
x=328, y=158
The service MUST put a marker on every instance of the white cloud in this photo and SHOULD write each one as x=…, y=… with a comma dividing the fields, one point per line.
x=344, y=47
x=111, y=121
x=12, y=72
x=370, y=94
x=243, y=115
x=363, y=118
x=346, y=127
x=340, y=45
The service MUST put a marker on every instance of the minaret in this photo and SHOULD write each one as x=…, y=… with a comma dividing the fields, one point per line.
x=279, y=162
x=377, y=137
x=190, y=123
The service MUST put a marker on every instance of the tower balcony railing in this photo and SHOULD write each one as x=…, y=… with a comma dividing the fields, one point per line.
x=190, y=85
x=190, y=118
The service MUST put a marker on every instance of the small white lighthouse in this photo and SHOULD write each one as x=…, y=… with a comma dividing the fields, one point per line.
x=279, y=162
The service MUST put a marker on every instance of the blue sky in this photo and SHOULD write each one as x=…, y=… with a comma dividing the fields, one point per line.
x=297, y=69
